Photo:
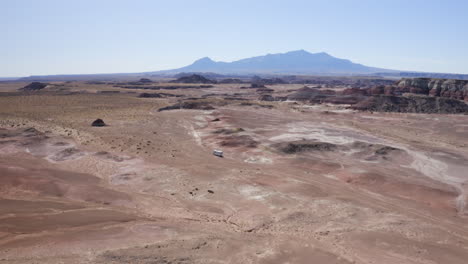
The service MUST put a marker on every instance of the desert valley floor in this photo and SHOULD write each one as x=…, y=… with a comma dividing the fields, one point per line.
x=299, y=183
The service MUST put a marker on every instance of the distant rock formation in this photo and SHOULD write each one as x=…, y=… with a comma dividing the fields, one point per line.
x=145, y=80
x=34, y=86
x=230, y=81
x=412, y=104
x=312, y=95
x=257, y=85
x=194, y=78
x=260, y=81
x=455, y=89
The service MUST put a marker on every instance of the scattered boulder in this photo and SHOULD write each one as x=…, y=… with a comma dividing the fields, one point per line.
x=98, y=123
x=34, y=86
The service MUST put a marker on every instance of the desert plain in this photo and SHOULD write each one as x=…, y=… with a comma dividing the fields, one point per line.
x=298, y=183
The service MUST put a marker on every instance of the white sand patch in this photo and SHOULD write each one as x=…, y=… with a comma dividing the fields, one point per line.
x=261, y=160
x=321, y=132
x=316, y=134
x=439, y=171
x=330, y=176
x=254, y=193
x=433, y=168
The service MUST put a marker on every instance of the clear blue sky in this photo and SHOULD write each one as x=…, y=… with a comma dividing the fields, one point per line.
x=104, y=36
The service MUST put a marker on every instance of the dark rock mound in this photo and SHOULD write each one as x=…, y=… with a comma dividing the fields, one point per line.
x=256, y=105
x=343, y=99
x=257, y=85
x=108, y=92
x=230, y=80
x=261, y=81
x=239, y=141
x=98, y=123
x=163, y=87
x=158, y=95
x=384, y=150
x=374, y=152
x=355, y=91
x=228, y=131
x=194, y=78
x=66, y=154
x=270, y=98
x=34, y=86
x=312, y=95
x=188, y=105
x=413, y=104
x=305, y=146
x=265, y=90
x=145, y=80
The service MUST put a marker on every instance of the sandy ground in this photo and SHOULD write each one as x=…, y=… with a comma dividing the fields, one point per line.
x=365, y=188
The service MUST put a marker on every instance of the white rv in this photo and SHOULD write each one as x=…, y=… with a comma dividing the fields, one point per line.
x=218, y=153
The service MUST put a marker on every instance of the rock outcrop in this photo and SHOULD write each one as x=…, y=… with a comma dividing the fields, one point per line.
x=230, y=80
x=412, y=104
x=34, y=86
x=98, y=123
x=145, y=80
x=188, y=105
x=158, y=95
x=270, y=98
x=265, y=90
x=194, y=78
x=313, y=95
x=454, y=89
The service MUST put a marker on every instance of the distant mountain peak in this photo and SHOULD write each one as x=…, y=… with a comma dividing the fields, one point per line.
x=203, y=60
x=301, y=51
x=292, y=62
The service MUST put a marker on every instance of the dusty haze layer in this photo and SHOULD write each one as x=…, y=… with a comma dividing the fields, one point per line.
x=298, y=183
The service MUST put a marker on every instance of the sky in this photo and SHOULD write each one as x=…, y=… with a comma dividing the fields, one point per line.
x=44, y=37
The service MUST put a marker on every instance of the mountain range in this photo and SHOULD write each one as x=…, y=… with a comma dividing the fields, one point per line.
x=298, y=62
x=293, y=62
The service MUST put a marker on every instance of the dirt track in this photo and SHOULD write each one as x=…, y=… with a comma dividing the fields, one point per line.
x=386, y=188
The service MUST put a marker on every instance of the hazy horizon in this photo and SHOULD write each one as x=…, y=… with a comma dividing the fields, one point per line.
x=87, y=37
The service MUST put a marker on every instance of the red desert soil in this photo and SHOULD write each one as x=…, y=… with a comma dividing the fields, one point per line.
x=298, y=183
